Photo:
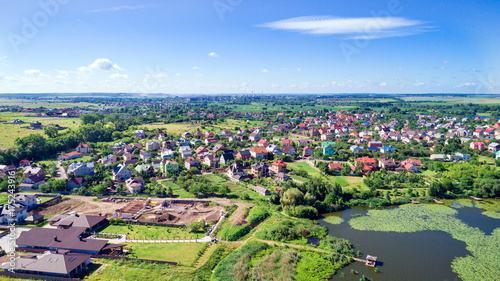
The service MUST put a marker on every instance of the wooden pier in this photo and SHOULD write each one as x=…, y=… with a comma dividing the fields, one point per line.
x=415, y=202
x=476, y=198
x=437, y=201
x=370, y=260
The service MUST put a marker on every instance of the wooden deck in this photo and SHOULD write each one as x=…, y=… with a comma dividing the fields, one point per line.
x=437, y=201
x=370, y=260
x=476, y=198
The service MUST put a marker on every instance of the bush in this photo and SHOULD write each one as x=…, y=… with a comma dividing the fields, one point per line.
x=305, y=212
x=257, y=214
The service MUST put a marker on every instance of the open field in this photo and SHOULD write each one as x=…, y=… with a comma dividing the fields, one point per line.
x=455, y=100
x=12, y=131
x=35, y=103
x=183, y=253
x=344, y=181
x=257, y=107
x=178, y=191
x=138, y=231
x=236, y=189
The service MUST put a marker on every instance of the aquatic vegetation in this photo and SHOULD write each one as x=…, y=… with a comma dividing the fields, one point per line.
x=333, y=219
x=485, y=249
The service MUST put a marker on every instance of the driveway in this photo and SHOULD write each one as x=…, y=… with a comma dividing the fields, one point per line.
x=4, y=241
x=61, y=173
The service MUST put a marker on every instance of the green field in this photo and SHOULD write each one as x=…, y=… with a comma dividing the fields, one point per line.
x=151, y=232
x=178, y=191
x=236, y=189
x=454, y=100
x=12, y=131
x=183, y=253
x=344, y=181
x=32, y=103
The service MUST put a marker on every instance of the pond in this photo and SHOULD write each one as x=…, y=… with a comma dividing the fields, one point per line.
x=420, y=255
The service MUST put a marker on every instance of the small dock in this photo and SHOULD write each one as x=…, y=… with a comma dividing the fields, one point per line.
x=415, y=202
x=437, y=201
x=476, y=198
x=370, y=261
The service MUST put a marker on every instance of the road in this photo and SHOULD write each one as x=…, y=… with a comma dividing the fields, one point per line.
x=61, y=173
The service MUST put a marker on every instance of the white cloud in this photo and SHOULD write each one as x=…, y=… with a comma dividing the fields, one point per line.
x=418, y=84
x=34, y=72
x=357, y=28
x=100, y=64
x=161, y=76
x=383, y=84
x=213, y=55
x=445, y=62
x=178, y=74
x=298, y=69
x=466, y=85
x=118, y=76
x=199, y=75
x=121, y=8
x=195, y=67
x=265, y=71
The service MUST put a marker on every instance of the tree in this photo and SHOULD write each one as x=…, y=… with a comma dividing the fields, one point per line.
x=59, y=185
x=50, y=131
x=197, y=226
x=292, y=197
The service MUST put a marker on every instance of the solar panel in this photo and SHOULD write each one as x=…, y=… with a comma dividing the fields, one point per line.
x=72, y=259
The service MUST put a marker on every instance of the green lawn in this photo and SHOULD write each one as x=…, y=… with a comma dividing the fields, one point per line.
x=151, y=232
x=344, y=181
x=183, y=253
x=4, y=198
x=236, y=189
x=488, y=160
x=178, y=191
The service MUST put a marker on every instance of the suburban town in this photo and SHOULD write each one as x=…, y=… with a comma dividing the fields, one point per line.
x=147, y=180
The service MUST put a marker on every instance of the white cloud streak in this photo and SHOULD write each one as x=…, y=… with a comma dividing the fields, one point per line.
x=355, y=28
x=213, y=55
x=122, y=8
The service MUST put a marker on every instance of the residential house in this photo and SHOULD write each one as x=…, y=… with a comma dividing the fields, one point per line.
x=258, y=152
x=412, y=165
x=282, y=177
x=437, y=157
x=144, y=155
x=211, y=160
x=129, y=158
x=24, y=163
x=356, y=149
x=81, y=169
x=274, y=149
x=27, y=200
x=169, y=166
x=209, y=141
x=387, y=149
x=278, y=167
x=225, y=133
x=166, y=153
x=261, y=190
x=169, y=144
x=13, y=212
x=493, y=147
x=191, y=163
x=161, y=135
x=286, y=141
x=186, y=135
x=108, y=160
x=226, y=158
x=218, y=147
x=263, y=143
x=195, y=142
x=200, y=150
x=69, y=156
x=244, y=155
x=260, y=168
x=375, y=144
x=288, y=149
x=477, y=145
x=185, y=151
x=235, y=172
x=497, y=155
x=34, y=171
x=135, y=185
x=335, y=166
x=140, y=134
x=326, y=137
x=369, y=164
x=64, y=264
x=76, y=182
x=145, y=169
x=328, y=148
x=83, y=148
x=308, y=152
x=121, y=173
x=152, y=145
x=255, y=136
x=389, y=164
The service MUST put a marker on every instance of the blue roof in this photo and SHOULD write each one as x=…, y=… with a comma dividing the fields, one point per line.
x=372, y=148
x=386, y=147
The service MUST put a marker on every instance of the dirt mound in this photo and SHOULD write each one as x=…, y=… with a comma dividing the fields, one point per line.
x=183, y=215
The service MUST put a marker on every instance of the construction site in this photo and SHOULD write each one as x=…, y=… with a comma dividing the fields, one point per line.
x=169, y=212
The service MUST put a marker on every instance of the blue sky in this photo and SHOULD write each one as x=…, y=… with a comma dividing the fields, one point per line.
x=243, y=46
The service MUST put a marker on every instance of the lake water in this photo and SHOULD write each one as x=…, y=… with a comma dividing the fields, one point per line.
x=425, y=255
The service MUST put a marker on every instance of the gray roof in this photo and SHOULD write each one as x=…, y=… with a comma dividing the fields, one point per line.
x=60, y=239
x=56, y=263
x=76, y=220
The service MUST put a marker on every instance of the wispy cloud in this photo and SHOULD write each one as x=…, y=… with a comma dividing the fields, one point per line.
x=195, y=67
x=265, y=71
x=355, y=28
x=34, y=72
x=213, y=55
x=121, y=8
